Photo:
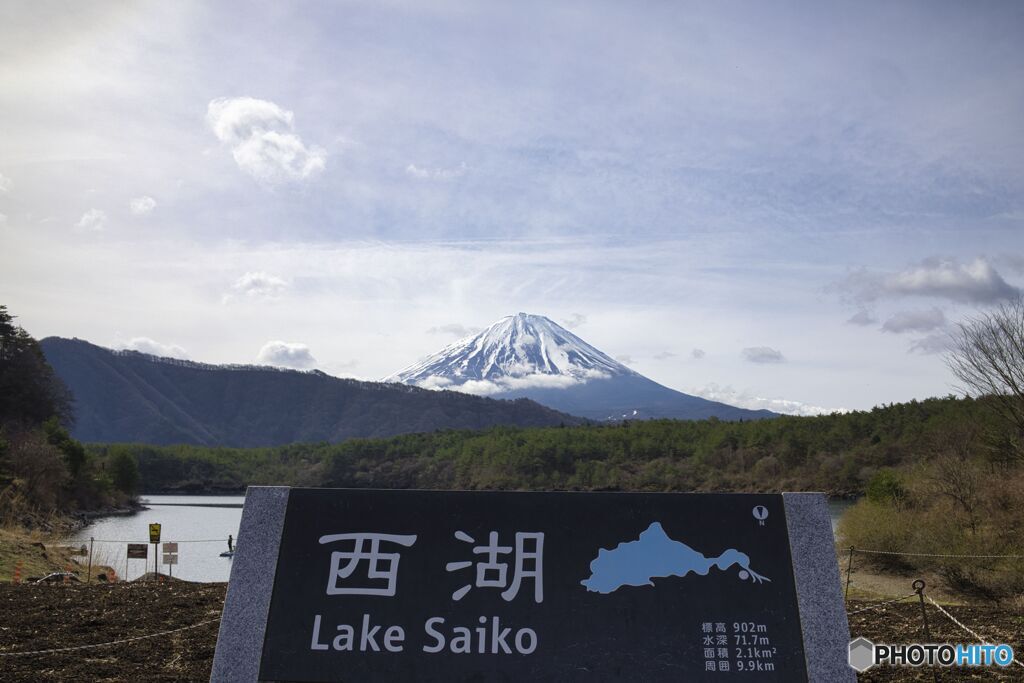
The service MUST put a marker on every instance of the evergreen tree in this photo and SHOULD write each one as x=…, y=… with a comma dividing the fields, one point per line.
x=30, y=392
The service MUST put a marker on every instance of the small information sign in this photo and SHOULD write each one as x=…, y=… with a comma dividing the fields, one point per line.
x=154, y=533
x=137, y=551
x=170, y=553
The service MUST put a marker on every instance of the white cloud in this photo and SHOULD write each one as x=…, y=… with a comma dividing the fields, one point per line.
x=1014, y=262
x=5, y=184
x=936, y=342
x=698, y=353
x=92, y=220
x=534, y=381
x=574, y=321
x=763, y=354
x=862, y=317
x=140, y=206
x=435, y=382
x=286, y=354
x=455, y=329
x=976, y=282
x=435, y=173
x=257, y=284
x=746, y=399
x=625, y=359
x=3, y=219
x=915, y=321
x=486, y=387
x=262, y=139
x=153, y=348
x=664, y=355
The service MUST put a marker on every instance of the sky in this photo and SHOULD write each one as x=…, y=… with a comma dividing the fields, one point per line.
x=782, y=205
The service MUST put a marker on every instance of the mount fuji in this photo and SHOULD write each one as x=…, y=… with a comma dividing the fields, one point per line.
x=530, y=356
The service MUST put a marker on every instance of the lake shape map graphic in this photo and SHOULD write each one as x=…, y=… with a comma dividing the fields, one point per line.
x=655, y=555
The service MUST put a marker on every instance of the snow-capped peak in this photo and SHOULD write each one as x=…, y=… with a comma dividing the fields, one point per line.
x=517, y=347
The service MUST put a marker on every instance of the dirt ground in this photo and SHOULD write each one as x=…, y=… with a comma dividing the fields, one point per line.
x=38, y=617
x=902, y=623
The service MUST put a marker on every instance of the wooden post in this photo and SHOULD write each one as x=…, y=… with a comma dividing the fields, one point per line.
x=88, y=576
x=918, y=586
x=849, y=569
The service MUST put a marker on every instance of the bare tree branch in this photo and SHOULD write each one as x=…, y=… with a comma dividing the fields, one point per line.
x=987, y=357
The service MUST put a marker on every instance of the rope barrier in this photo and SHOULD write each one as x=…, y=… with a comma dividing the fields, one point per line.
x=880, y=604
x=113, y=642
x=897, y=552
x=964, y=627
x=203, y=540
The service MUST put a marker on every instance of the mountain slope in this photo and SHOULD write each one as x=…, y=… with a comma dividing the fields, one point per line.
x=516, y=346
x=128, y=396
x=529, y=356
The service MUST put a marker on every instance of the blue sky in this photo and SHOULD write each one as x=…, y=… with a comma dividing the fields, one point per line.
x=776, y=204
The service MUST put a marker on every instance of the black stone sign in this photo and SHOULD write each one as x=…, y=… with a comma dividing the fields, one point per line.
x=373, y=585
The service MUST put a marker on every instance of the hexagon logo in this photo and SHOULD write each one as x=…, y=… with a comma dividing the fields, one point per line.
x=862, y=654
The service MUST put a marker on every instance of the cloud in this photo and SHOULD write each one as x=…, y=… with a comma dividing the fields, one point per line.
x=262, y=139
x=435, y=173
x=454, y=329
x=3, y=219
x=624, y=358
x=534, y=381
x=862, y=317
x=763, y=354
x=574, y=321
x=1014, y=262
x=664, y=355
x=435, y=382
x=697, y=354
x=976, y=282
x=745, y=399
x=915, y=321
x=257, y=284
x=937, y=342
x=5, y=184
x=140, y=206
x=484, y=387
x=92, y=220
x=286, y=355
x=153, y=348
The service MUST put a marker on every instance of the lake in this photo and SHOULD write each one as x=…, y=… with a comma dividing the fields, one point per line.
x=200, y=525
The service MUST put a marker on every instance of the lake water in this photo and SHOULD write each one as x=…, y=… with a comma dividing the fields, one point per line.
x=200, y=525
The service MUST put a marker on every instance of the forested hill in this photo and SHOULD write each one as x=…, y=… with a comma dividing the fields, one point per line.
x=840, y=454
x=132, y=397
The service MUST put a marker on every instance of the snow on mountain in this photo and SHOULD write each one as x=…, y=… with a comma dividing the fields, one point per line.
x=529, y=356
x=519, y=351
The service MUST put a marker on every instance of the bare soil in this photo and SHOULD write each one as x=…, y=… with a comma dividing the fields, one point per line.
x=41, y=617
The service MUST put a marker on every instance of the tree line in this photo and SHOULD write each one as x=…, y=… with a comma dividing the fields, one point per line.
x=840, y=454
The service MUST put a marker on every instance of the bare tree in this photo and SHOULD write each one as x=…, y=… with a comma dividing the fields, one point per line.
x=987, y=356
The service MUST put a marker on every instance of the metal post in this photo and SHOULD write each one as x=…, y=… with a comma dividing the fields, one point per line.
x=918, y=586
x=849, y=568
x=88, y=576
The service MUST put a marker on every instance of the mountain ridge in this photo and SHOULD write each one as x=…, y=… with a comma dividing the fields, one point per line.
x=127, y=396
